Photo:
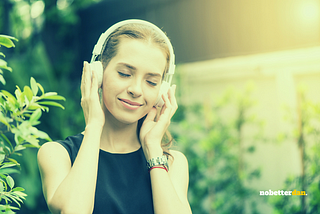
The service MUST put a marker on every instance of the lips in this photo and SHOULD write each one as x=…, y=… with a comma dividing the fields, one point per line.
x=130, y=104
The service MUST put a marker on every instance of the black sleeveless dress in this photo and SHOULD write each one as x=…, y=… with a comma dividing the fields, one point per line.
x=123, y=181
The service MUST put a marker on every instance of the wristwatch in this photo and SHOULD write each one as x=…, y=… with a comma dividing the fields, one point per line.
x=163, y=160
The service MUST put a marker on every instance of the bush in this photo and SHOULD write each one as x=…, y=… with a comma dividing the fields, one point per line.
x=19, y=116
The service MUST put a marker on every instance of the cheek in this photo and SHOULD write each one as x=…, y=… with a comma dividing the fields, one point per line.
x=151, y=94
x=111, y=82
x=110, y=88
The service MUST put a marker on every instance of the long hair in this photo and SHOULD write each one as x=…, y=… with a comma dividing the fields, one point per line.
x=145, y=33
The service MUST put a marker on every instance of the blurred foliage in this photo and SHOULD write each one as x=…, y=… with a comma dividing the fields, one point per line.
x=19, y=114
x=44, y=28
x=216, y=138
x=307, y=136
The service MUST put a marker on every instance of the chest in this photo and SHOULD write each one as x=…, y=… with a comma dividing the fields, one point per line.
x=123, y=184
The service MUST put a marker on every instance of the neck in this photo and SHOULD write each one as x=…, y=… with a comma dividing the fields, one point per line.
x=118, y=137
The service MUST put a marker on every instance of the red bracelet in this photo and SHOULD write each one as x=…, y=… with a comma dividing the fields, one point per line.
x=160, y=167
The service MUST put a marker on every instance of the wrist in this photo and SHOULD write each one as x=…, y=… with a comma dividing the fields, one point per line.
x=94, y=127
x=153, y=151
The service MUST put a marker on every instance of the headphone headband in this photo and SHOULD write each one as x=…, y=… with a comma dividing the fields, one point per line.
x=98, y=47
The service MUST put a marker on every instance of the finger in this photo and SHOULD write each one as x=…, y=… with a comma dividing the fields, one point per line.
x=151, y=115
x=88, y=76
x=166, y=109
x=172, y=98
x=163, y=108
x=164, y=120
x=82, y=78
x=86, y=80
x=94, y=86
x=171, y=94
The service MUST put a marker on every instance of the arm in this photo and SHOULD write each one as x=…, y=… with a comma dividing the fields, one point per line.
x=72, y=189
x=169, y=189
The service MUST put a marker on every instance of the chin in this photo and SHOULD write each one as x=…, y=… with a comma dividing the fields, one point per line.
x=127, y=117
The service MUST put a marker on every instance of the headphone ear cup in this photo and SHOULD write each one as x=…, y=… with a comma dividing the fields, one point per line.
x=164, y=88
x=98, y=68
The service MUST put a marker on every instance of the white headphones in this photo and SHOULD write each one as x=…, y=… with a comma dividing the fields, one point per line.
x=97, y=65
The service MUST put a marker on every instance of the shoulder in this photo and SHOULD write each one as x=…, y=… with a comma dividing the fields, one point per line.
x=178, y=158
x=69, y=146
x=178, y=154
x=178, y=164
x=52, y=150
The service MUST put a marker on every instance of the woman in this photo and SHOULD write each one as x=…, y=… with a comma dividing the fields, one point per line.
x=103, y=169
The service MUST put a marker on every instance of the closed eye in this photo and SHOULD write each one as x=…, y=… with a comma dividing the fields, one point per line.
x=152, y=83
x=123, y=74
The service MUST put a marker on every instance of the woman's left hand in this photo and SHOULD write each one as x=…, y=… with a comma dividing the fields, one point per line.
x=152, y=131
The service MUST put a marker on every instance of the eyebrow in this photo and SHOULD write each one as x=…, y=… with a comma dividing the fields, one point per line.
x=128, y=66
x=134, y=69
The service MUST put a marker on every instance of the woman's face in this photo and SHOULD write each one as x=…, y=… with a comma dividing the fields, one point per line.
x=132, y=79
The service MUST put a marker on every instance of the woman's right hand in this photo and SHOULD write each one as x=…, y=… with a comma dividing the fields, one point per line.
x=90, y=100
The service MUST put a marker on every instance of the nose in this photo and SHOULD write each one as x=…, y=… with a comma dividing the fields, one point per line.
x=134, y=89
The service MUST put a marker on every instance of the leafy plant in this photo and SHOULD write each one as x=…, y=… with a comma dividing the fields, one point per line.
x=307, y=137
x=19, y=114
x=216, y=138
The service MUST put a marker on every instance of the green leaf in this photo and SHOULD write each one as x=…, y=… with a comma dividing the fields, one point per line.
x=10, y=181
x=41, y=88
x=15, y=199
x=9, y=171
x=20, y=189
x=3, y=65
x=6, y=140
x=1, y=54
x=2, y=176
x=28, y=92
x=19, y=148
x=20, y=194
x=48, y=94
x=1, y=187
x=7, y=94
x=13, y=161
x=2, y=80
x=43, y=135
x=34, y=86
x=32, y=140
x=35, y=116
x=35, y=106
x=30, y=146
x=7, y=41
x=3, y=120
x=55, y=97
x=8, y=165
x=51, y=103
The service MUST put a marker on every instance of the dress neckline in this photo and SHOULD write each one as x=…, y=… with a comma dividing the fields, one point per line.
x=116, y=153
x=120, y=153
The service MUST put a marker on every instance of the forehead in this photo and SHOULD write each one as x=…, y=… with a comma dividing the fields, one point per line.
x=143, y=55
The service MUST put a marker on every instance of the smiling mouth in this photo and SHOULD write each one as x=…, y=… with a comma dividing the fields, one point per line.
x=130, y=104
